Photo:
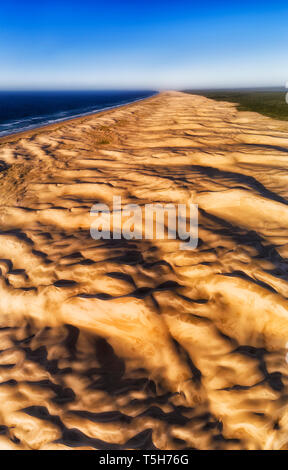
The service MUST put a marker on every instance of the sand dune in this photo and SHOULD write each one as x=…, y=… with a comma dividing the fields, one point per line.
x=118, y=344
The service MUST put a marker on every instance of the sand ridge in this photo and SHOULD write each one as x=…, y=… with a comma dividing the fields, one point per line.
x=138, y=344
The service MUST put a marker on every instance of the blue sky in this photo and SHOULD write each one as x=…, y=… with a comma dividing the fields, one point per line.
x=148, y=44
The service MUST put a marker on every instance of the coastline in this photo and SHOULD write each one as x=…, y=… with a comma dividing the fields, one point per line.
x=137, y=344
x=77, y=116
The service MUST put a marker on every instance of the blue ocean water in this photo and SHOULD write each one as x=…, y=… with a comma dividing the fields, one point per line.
x=23, y=110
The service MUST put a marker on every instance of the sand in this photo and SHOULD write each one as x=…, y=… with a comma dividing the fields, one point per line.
x=118, y=344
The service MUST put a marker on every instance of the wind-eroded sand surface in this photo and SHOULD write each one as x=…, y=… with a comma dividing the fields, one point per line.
x=117, y=344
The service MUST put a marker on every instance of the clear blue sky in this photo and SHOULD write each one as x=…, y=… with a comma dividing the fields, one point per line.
x=143, y=44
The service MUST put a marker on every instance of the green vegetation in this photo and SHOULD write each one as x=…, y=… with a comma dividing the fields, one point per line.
x=269, y=103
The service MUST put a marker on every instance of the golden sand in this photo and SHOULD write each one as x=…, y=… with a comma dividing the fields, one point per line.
x=186, y=349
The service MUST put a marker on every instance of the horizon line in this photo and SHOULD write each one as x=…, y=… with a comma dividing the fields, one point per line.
x=94, y=89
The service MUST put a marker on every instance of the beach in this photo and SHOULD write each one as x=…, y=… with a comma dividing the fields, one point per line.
x=137, y=344
x=21, y=111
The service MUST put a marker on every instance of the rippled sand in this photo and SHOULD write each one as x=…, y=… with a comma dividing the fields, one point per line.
x=117, y=344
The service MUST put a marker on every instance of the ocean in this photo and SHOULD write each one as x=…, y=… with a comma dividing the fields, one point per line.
x=24, y=110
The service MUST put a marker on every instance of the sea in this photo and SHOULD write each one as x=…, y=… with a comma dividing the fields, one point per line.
x=24, y=110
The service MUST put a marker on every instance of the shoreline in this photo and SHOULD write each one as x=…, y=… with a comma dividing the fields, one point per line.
x=74, y=118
